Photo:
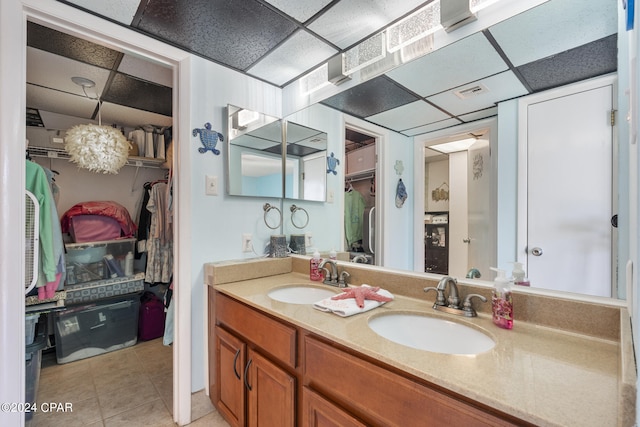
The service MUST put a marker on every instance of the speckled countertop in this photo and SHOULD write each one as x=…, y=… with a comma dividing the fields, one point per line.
x=542, y=375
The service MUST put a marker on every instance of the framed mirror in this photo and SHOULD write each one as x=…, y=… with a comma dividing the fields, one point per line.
x=254, y=148
x=305, y=170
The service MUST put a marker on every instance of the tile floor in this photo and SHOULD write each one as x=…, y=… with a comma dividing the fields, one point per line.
x=129, y=387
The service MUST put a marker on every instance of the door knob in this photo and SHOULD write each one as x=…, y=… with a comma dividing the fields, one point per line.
x=467, y=240
x=536, y=251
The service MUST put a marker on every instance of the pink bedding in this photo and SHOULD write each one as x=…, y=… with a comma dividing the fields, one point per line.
x=104, y=208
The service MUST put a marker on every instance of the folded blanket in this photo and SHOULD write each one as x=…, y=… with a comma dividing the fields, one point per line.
x=345, y=304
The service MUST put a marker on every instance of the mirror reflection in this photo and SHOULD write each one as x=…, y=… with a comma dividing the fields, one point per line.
x=306, y=173
x=254, y=154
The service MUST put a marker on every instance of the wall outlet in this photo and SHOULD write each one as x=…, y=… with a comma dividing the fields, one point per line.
x=307, y=240
x=247, y=244
x=330, y=196
x=211, y=185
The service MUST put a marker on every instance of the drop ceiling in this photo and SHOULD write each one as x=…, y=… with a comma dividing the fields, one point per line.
x=279, y=41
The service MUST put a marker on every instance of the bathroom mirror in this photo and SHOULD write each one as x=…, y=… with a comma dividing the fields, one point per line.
x=306, y=173
x=254, y=147
x=504, y=120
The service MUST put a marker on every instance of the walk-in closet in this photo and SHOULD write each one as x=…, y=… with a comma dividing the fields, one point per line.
x=99, y=231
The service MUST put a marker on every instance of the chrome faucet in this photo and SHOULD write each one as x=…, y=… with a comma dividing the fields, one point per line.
x=330, y=277
x=361, y=259
x=451, y=304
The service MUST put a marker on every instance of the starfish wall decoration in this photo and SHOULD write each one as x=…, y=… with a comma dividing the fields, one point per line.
x=361, y=293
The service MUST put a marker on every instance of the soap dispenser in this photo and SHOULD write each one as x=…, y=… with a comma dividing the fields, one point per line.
x=314, y=267
x=502, y=301
x=519, y=274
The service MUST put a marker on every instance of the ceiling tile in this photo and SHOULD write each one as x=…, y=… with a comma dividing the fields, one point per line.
x=477, y=115
x=211, y=28
x=131, y=117
x=432, y=127
x=126, y=90
x=49, y=70
x=500, y=87
x=467, y=60
x=294, y=57
x=553, y=27
x=118, y=10
x=53, y=41
x=301, y=10
x=60, y=102
x=371, y=97
x=591, y=60
x=146, y=70
x=408, y=116
x=349, y=21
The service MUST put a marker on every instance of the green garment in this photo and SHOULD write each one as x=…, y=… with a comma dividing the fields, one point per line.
x=37, y=183
x=353, y=216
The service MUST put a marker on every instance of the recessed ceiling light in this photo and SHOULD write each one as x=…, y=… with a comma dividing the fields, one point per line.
x=453, y=146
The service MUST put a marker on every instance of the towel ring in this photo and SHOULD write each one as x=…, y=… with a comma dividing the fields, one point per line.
x=267, y=207
x=295, y=209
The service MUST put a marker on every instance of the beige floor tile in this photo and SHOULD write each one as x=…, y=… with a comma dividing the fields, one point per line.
x=125, y=399
x=200, y=405
x=164, y=385
x=213, y=419
x=151, y=413
x=72, y=389
x=83, y=413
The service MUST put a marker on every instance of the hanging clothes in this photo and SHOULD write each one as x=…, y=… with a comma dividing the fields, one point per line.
x=160, y=239
x=51, y=260
x=354, y=205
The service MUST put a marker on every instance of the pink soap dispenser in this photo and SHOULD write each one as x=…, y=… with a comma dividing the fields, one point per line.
x=502, y=301
x=314, y=267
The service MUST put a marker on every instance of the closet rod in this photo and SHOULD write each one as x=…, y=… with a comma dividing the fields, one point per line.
x=360, y=178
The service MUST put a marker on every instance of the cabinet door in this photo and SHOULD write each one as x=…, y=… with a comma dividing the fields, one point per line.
x=319, y=412
x=230, y=357
x=271, y=393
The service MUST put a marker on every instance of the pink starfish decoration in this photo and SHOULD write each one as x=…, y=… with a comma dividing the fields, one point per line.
x=362, y=293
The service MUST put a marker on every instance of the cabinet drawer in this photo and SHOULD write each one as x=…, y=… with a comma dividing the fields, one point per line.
x=381, y=397
x=273, y=337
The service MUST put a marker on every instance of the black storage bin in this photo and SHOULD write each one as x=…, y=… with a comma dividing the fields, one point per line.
x=88, y=330
x=33, y=360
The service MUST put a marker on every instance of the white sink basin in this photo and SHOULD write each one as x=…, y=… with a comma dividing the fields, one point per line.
x=431, y=334
x=300, y=294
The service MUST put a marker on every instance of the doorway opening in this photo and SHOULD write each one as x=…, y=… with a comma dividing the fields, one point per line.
x=360, y=196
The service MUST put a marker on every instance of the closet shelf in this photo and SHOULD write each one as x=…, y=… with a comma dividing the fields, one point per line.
x=60, y=153
x=361, y=175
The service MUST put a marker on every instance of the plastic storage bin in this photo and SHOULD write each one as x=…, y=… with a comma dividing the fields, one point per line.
x=92, y=228
x=33, y=361
x=85, y=261
x=88, y=330
x=30, y=322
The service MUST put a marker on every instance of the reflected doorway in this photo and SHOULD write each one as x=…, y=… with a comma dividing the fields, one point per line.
x=457, y=222
x=360, y=196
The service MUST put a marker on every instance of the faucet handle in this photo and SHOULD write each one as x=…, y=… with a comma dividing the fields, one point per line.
x=344, y=277
x=468, y=308
x=440, y=298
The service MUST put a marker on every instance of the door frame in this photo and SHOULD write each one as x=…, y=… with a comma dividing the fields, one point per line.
x=420, y=145
x=73, y=21
x=522, y=199
x=379, y=230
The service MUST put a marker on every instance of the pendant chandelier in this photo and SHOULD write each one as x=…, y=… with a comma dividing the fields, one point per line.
x=97, y=148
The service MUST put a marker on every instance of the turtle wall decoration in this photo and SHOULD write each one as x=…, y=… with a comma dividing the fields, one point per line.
x=209, y=139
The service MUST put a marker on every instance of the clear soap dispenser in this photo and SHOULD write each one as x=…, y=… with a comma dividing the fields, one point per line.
x=519, y=274
x=502, y=301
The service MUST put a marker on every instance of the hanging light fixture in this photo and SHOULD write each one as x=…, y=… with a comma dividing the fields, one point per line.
x=100, y=149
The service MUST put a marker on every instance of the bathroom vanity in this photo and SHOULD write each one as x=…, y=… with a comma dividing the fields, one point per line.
x=289, y=364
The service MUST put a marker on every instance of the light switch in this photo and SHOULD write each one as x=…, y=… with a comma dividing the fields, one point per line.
x=211, y=185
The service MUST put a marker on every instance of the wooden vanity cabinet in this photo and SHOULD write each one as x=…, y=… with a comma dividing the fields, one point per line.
x=379, y=396
x=269, y=373
x=250, y=386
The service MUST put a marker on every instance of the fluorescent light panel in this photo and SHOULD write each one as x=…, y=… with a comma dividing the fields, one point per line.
x=453, y=146
x=315, y=80
x=366, y=53
x=414, y=27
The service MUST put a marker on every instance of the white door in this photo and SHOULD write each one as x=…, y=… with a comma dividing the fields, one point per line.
x=481, y=244
x=569, y=179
